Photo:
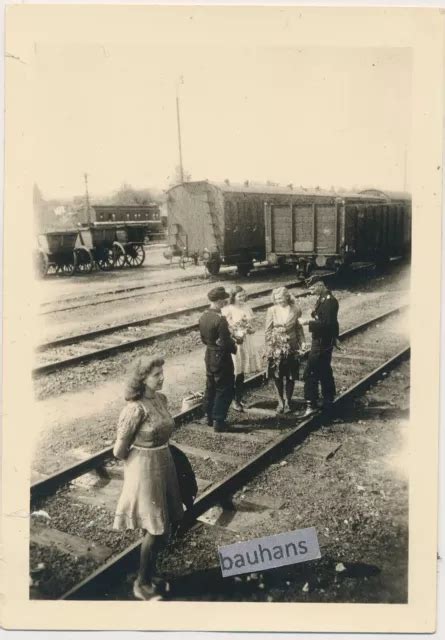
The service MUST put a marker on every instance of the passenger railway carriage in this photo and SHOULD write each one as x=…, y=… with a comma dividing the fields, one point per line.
x=236, y=224
x=147, y=217
x=126, y=213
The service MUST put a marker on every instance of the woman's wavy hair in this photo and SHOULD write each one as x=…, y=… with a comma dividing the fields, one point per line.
x=232, y=293
x=135, y=386
x=282, y=291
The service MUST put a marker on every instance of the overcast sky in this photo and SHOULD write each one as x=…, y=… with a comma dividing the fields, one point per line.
x=318, y=116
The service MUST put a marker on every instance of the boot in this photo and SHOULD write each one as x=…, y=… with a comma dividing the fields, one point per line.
x=310, y=409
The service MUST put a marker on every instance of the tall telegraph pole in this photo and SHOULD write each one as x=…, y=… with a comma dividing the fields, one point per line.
x=181, y=168
x=87, y=198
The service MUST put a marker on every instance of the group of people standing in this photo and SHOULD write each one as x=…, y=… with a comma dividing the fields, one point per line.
x=152, y=497
x=231, y=353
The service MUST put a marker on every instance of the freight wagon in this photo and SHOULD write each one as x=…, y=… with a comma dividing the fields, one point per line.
x=330, y=230
x=236, y=224
x=220, y=223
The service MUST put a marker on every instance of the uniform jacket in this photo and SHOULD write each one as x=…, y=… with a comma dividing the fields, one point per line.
x=215, y=334
x=324, y=326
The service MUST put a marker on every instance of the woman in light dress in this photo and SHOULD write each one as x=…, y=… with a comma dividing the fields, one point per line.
x=247, y=358
x=284, y=343
x=150, y=498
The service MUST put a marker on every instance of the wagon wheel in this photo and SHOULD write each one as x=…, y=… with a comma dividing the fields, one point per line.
x=183, y=260
x=308, y=269
x=66, y=269
x=119, y=259
x=105, y=259
x=41, y=264
x=244, y=268
x=135, y=255
x=84, y=260
x=213, y=267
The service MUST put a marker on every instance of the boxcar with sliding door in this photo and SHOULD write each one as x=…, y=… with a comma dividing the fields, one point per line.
x=333, y=230
x=221, y=223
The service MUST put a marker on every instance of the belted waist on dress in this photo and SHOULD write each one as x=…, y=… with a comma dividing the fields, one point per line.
x=144, y=448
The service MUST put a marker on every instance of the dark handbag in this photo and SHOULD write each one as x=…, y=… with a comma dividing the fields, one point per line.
x=186, y=476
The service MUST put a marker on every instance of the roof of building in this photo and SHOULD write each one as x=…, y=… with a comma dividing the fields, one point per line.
x=117, y=207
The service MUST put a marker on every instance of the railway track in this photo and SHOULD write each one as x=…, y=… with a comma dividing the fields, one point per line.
x=105, y=297
x=223, y=462
x=67, y=352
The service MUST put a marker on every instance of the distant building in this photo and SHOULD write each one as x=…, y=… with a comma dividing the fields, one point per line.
x=60, y=210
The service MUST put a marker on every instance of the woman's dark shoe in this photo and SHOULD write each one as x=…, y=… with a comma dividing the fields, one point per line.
x=160, y=586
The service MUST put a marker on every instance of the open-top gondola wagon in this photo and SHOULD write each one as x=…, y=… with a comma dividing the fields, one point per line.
x=130, y=239
x=99, y=240
x=56, y=252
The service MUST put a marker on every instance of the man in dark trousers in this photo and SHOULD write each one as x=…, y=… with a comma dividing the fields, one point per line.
x=220, y=381
x=324, y=329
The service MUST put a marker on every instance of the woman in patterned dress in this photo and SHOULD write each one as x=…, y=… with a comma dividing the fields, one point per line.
x=150, y=498
x=247, y=359
x=284, y=342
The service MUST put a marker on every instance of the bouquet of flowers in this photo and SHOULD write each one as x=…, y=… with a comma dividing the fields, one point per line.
x=277, y=345
x=240, y=329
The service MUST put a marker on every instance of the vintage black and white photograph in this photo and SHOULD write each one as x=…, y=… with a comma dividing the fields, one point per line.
x=224, y=353
x=222, y=241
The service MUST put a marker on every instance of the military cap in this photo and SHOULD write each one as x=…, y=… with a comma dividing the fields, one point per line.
x=218, y=293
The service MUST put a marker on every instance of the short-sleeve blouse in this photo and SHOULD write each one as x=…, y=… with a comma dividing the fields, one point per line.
x=145, y=423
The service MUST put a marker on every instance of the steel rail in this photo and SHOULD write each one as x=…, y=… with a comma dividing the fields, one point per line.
x=128, y=559
x=130, y=344
x=49, y=485
x=130, y=296
x=59, y=342
x=189, y=279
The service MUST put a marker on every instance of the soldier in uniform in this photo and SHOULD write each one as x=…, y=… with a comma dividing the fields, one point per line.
x=220, y=381
x=324, y=329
